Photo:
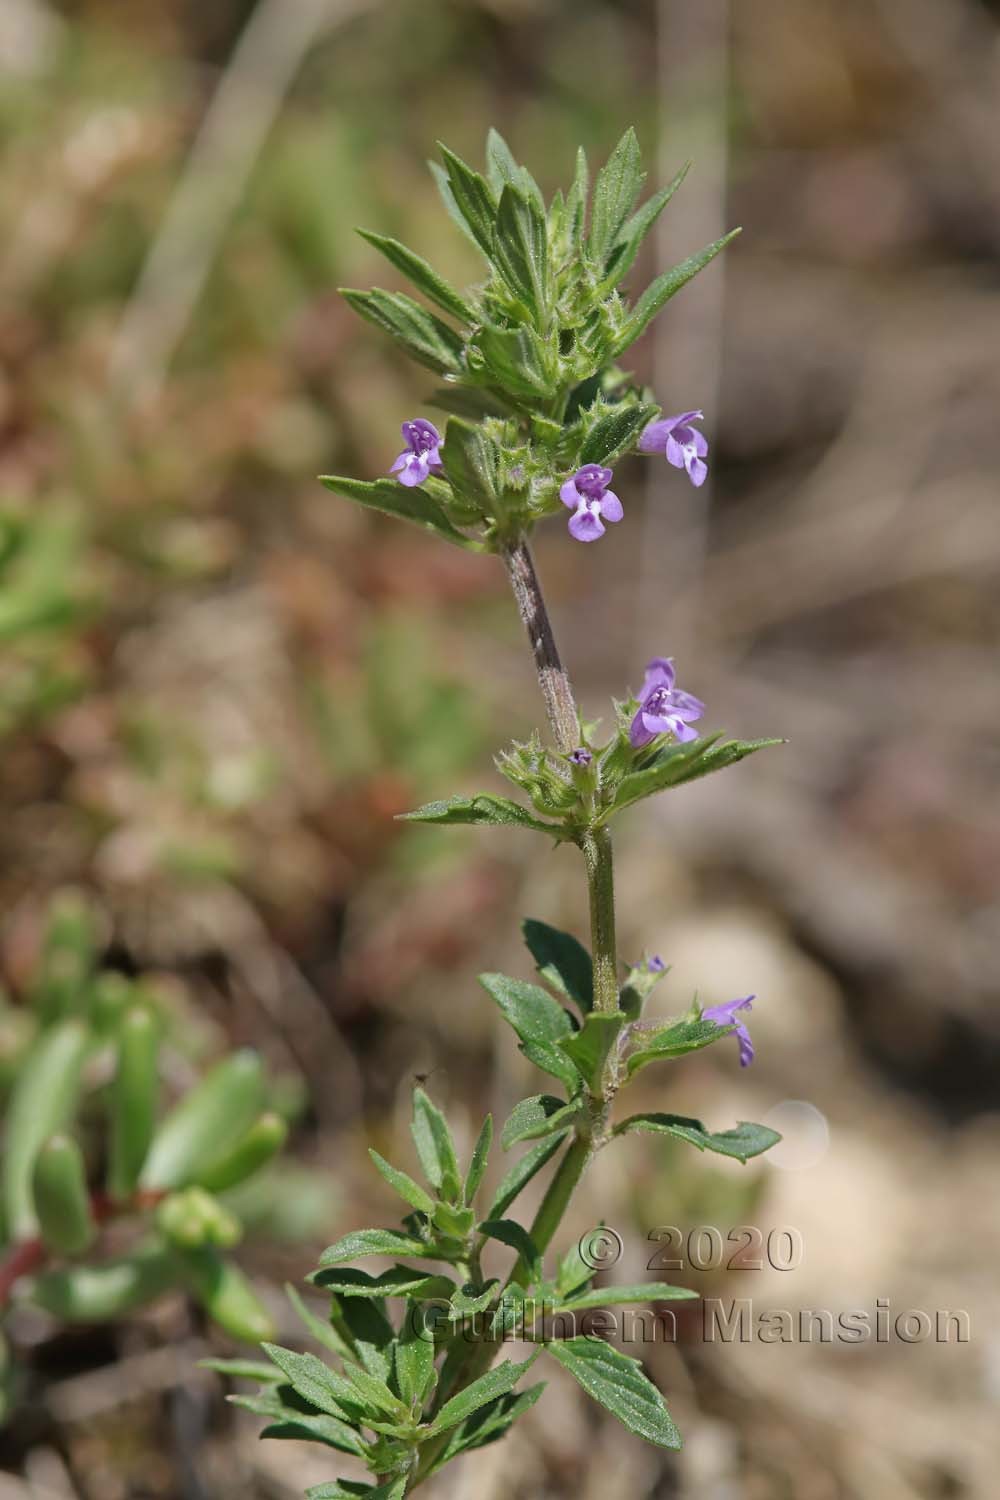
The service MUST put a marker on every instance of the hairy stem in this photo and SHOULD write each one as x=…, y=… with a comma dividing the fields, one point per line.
x=596, y=848
x=553, y=680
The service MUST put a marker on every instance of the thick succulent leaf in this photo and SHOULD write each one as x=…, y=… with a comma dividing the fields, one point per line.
x=132, y=1098
x=617, y=432
x=618, y=1384
x=422, y=334
x=741, y=1143
x=62, y=1201
x=421, y=274
x=665, y=287
x=435, y=1147
x=483, y=809
x=102, y=1293
x=496, y=1382
x=521, y=1173
x=562, y=960
x=672, y=1039
x=588, y=1048
x=406, y=504
x=677, y=764
x=615, y=191
x=541, y=1115
x=43, y=1099
x=226, y=1294
x=209, y=1119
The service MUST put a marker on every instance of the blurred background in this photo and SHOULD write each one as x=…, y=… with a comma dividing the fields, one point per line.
x=218, y=682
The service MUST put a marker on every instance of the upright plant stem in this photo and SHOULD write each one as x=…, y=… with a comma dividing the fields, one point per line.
x=553, y=680
x=601, y=885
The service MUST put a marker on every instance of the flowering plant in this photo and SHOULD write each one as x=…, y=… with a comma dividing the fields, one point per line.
x=538, y=414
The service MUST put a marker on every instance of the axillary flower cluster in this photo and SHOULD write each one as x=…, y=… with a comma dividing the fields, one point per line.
x=537, y=413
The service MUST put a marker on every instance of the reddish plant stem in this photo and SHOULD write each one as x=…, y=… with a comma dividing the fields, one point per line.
x=30, y=1255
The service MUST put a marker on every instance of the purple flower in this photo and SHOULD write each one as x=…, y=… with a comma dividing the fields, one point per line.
x=663, y=709
x=592, y=503
x=581, y=757
x=725, y=1015
x=655, y=965
x=682, y=444
x=420, y=457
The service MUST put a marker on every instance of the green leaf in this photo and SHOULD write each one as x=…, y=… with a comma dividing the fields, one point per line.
x=672, y=1039
x=350, y=1489
x=291, y=1421
x=435, y=1147
x=43, y=1099
x=626, y=247
x=614, y=1296
x=562, y=960
x=263, y=1140
x=100, y=1294
x=365, y=1328
x=616, y=433
x=531, y=1011
x=226, y=1295
x=482, y=809
x=422, y=334
x=473, y=199
x=615, y=191
x=243, y=1369
x=489, y=1423
x=665, y=287
x=501, y=167
x=405, y=1186
x=399, y=1281
x=321, y=1329
x=316, y=1383
x=515, y=360
x=209, y=1119
x=541, y=1115
x=132, y=1099
x=745, y=1141
x=677, y=764
x=521, y=1173
x=618, y=1384
x=496, y=1382
x=421, y=274
x=406, y=504
x=509, y=1232
x=588, y=1049
x=576, y=200
x=520, y=250
x=361, y=1242
x=62, y=1202
x=470, y=463
x=374, y=1392
x=454, y=1222
x=414, y=1357
x=480, y=1158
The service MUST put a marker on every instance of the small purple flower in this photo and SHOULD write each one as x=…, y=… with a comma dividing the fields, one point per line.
x=421, y=455
x=592, y=503
x=655, y=965
x=684, y=446
x=663, y=709
x=725, y=1015
x=581, y=757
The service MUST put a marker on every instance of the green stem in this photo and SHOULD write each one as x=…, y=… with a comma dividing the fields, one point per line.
x=596, y=846
x=559, y=1192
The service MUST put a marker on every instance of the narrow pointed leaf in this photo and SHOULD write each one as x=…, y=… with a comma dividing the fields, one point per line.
x=741, y=1143
x=399, y=1281
x=678, y=764
x=665, y=287
x=406, y=504
x=520, y=249
x=617, y=1296
x=421, y=333
x=509, y=1232
x=482, y=810
x=576, y=200
x=435, y=1147
x=316, y=1383
x=521, y=1173
x=488, y=1387
x=416, y=1196
x=321, y=1329
x=541, y=1115
x=615, y=191
x=362, y=1242
x=623, y=252
x=562, y=961
x=489, y=1423
x=473, y=199
x=501, y=167
x=414, y=1357
x=421, y=274
x=619, y=1384
x=672, y=1039
x=617, y=433
x=480, y=1158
